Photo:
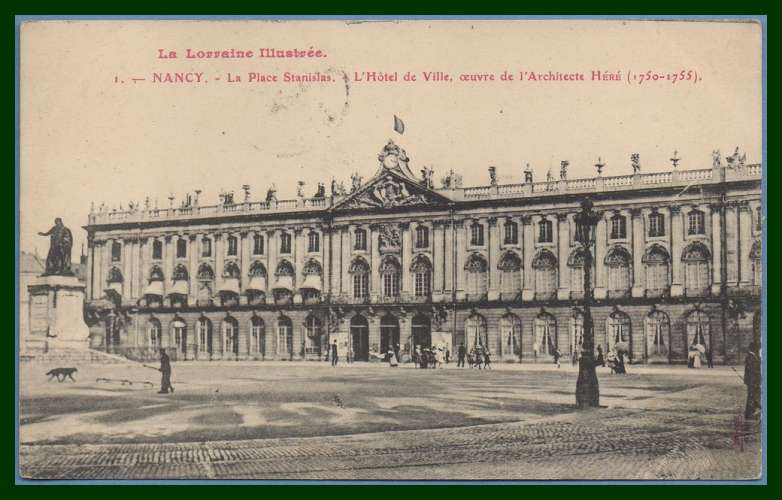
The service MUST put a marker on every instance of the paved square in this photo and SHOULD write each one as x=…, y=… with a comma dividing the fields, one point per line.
x=306, y=420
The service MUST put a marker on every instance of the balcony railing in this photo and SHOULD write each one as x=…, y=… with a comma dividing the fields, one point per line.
x=504, y=191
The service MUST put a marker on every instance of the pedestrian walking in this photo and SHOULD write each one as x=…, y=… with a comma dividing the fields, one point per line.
x=165, y=369
x=486, y=360
x=460, y=355
x=535, y=351
x=557, y=355
x=601, y=360
x=709, y=358
x=752, y=379
x=334, y=356
x=393, y=361
x=447, y=355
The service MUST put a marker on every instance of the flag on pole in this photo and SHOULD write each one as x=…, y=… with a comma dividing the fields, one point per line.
x=399, y=125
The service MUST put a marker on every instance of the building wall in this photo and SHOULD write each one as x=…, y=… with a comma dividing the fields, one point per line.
x=127, y=251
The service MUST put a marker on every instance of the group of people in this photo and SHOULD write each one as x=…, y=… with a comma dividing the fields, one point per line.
x=478, y=357
x=431, y=357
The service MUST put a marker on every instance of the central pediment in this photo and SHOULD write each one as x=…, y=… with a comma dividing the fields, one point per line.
x=388, y=189
x=394, y=185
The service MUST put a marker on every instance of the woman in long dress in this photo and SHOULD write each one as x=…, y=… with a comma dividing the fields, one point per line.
x=392, y=361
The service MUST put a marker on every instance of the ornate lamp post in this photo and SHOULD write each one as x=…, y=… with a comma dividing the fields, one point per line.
x=587, y=388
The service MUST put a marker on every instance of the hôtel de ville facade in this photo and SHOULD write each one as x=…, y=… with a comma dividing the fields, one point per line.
x=394, y=260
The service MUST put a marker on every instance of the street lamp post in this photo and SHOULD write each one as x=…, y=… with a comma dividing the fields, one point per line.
x=587, y=387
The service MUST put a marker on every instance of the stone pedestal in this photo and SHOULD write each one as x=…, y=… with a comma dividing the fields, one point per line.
x=56, y=315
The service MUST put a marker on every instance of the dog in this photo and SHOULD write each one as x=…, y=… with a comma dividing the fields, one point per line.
x=61, y=374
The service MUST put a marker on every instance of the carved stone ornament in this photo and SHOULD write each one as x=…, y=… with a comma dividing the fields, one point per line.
x=387, y=192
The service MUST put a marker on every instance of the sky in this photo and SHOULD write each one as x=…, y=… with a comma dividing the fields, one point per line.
x=85, y=136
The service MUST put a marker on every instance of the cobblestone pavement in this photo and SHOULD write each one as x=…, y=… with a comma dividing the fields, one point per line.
x=663, y=437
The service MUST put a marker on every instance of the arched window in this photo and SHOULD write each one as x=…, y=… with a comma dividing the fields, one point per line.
x=620, y=281
x=658, y=335
x=231, y=270
x=545, y=333
x=154, y=334
x=206, y=247
x=576, y=332
x=756, y=255
x=476, y=268
x=206, y=278
x=618, y=331
x=230, y=336
x=116, y=251
x=313, y=242
x=180, y=273
x=157, y=250
x=181, y=248
x=179, y=334
x=618, y=227
x=156, y=274
x=285, y=243
x=360, y=239
x=313, y=330
x=656, y=224
x=475, y=331
x=545, y=266
x=284, y=336
x=283, y=284
x=422, y=274
x=510, y=335
x=313, y=281
x=545, y=231
x=476, y=234
x=696, y=269
x=258, y=244
x=232, y=247
x=421, y=237
x=656, y=261
x=576, y=266
x=257, y=336
x=257, y=269
x=698, y=329
x=204, y=334
x=696, y=222
x=284, y=268
x=511, y=233
x=360, y=271
x=510, y=274
x=390, y=273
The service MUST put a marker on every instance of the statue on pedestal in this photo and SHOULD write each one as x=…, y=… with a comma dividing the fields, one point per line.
x=58, y=260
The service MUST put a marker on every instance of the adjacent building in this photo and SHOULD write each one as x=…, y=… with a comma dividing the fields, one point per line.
x=396, y=261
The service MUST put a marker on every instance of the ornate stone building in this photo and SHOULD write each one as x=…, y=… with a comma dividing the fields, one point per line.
x=395, y=261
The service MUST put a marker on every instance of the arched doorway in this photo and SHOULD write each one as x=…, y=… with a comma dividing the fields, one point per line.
x=658, y=337
x=359, y=333
x=422, y=331
x=204, y=334
x=230, y=338
x=475, y=332
x=284, y=337
x=389, y=333
x=510, y=336
x=179, y=334
x=314, y=331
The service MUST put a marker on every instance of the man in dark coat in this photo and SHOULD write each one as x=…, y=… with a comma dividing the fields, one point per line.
x=460, y=354
x=601, y=360
x=334, y=353
x=165, y=369
x=752, y=375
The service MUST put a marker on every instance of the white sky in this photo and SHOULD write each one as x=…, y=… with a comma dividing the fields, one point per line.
x=84, y=137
